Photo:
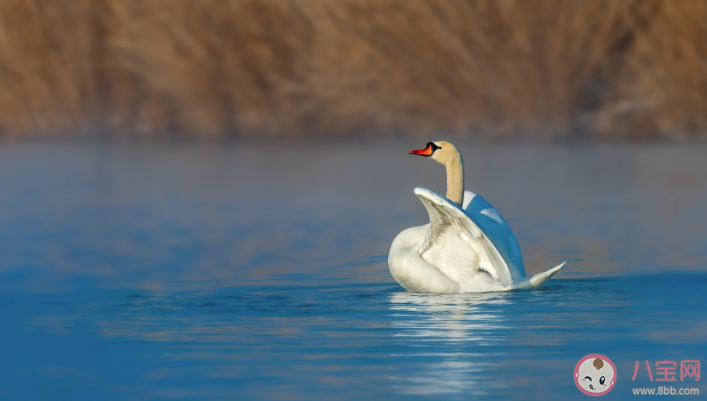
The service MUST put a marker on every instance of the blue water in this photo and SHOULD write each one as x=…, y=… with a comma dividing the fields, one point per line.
x=212, y=271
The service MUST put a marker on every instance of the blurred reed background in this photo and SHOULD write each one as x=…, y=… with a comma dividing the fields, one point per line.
x=602, y=69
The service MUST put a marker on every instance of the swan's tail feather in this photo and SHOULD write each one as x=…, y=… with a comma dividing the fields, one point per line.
x=539, y=279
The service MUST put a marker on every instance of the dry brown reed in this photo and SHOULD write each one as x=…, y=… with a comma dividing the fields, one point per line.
x=661, y=87
x=505, y=68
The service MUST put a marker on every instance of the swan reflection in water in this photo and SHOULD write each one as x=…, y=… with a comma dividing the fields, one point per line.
x=452, y=337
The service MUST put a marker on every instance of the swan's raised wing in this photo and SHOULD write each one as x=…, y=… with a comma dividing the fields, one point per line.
x=490, y=222
x=455, y=244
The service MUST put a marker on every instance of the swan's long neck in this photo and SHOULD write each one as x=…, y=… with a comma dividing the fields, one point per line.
x=455, y=179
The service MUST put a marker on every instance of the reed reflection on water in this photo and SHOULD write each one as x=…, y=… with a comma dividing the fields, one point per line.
x=211, y=272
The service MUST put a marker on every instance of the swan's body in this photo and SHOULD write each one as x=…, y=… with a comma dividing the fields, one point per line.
x=466, y=247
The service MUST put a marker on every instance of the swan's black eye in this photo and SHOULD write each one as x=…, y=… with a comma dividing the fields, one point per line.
x=602, y=380
x=434, y=147
x=587, y=377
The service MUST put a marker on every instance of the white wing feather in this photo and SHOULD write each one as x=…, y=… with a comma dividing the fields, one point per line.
x=455, y=245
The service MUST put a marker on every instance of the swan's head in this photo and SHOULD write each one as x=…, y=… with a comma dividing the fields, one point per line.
x=447, y=154
x=441, y=151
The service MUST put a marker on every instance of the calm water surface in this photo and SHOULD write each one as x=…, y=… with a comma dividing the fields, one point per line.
x=258, y=271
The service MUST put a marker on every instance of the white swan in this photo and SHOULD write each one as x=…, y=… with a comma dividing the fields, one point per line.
x=466, y=247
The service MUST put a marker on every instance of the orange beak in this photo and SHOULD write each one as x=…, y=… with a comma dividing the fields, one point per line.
x=423, y=152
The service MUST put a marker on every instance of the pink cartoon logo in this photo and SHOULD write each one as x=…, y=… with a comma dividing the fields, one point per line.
x=595, y=375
